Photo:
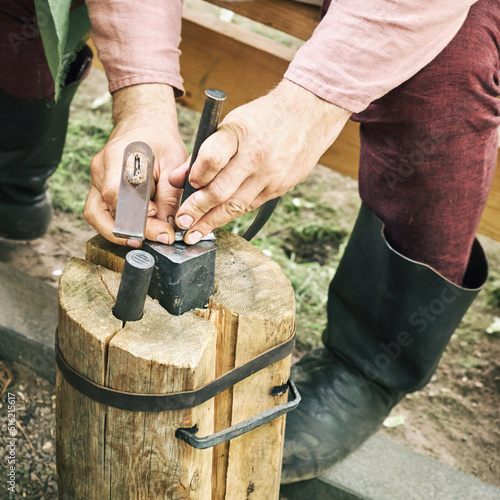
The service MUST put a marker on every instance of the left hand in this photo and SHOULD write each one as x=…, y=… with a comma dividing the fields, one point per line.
x=260, y=151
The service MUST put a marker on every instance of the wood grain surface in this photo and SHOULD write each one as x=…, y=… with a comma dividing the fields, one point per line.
x=103, y=452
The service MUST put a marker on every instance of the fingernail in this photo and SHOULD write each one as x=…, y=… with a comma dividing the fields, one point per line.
x=185, y=221
x=193, y=237
x=163, y=238
x=152, y=213
x=134, y=243
x=171, y=220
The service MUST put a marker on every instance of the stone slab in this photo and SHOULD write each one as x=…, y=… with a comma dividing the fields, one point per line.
x=28, y=321
x=384, y=470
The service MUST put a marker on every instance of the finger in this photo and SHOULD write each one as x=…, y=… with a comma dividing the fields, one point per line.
x=242, y=202
x=152, y=209
x=177, y=177
x=166, y=198
x=221, y=189
x=106, y=169
x=215, y=153
x=97, y=214
x=159, y=230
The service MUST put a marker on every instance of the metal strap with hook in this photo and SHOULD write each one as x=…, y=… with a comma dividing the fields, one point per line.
x=189, y=399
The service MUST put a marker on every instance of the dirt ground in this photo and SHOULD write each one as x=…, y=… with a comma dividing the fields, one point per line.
x=455, y=419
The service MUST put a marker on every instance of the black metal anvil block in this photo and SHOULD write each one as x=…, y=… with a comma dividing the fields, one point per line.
x=183, y=275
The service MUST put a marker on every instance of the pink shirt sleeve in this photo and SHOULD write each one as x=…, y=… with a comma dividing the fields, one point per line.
x=137, y=41
x=362, y=49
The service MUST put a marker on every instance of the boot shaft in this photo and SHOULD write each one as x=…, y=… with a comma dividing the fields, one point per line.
x=390, y=317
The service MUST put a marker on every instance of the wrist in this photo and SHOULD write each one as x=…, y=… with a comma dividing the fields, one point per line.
x=306, y=103
x=144, y=101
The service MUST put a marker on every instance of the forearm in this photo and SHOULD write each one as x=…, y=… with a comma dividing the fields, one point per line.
x=137, y=42
x=363, y=49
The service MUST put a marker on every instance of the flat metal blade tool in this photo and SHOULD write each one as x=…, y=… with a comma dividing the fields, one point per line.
x=135, y=191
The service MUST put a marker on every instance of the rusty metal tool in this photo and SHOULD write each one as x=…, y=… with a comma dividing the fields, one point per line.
x=135, y=191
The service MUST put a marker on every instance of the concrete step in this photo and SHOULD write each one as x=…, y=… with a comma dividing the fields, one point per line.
x=28, y=321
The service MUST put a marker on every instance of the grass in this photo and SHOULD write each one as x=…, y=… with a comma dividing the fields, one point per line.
x=88, y=131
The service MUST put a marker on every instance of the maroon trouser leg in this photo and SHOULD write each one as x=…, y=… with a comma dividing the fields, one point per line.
x=429, y=148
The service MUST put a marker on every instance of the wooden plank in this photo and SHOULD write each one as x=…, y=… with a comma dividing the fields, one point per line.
x=490, y=221
x=226, y=56
x=294, y=18
x=96, y=63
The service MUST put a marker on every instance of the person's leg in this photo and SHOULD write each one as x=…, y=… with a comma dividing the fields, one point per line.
x=430, y=148
x=427, y=160
x=32, y=127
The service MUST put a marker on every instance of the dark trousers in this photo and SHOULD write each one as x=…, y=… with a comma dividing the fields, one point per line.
x=25, y=73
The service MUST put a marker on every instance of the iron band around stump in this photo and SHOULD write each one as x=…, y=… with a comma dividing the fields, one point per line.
x=189, y=399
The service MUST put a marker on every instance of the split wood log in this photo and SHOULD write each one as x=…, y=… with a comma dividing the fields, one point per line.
x=105, y=452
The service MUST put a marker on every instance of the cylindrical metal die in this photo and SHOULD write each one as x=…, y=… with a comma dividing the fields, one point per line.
x=134, y=285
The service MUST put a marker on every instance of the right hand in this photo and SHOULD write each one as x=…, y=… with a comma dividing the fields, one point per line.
x=144, y=113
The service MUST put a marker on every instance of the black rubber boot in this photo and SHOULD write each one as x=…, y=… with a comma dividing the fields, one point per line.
x=389, y=320
x=32, y=135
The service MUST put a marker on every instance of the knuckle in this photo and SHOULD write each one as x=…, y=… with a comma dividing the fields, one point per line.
x=88, y=215
x=259, y=153
x=171, y=205
x=95, y=164
x=272, y=192
x=236, y=207
x=210, y=158
x=216, y=192
x=108, y=194
x=196, y=202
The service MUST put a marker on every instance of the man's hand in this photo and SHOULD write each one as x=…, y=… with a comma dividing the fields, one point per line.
x=260, y=151
x=141, y=113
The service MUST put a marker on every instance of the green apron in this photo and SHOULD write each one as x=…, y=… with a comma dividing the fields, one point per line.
x=64, y=31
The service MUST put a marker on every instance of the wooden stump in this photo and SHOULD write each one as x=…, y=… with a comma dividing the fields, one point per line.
x=105, y=452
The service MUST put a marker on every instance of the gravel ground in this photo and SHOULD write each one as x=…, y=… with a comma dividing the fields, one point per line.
x=34, y=433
